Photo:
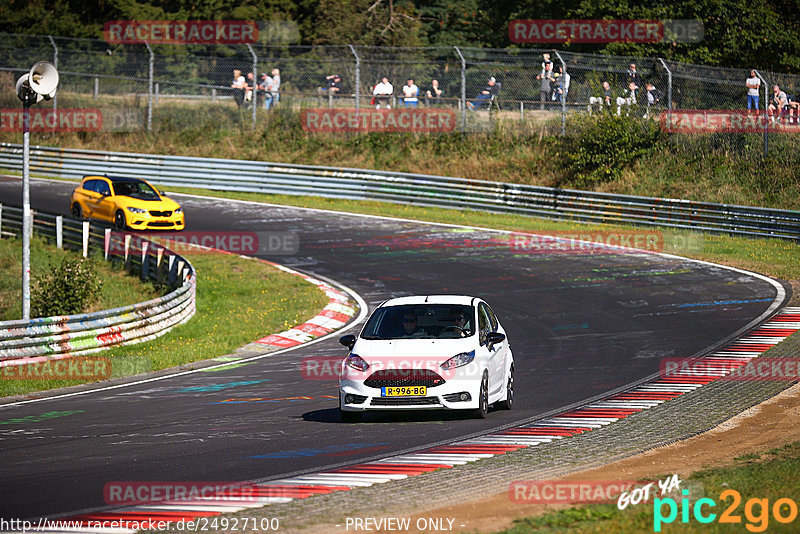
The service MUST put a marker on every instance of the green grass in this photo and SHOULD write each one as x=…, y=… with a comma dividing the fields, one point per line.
x=119, y=289
x=770, y=476
x=238, y=301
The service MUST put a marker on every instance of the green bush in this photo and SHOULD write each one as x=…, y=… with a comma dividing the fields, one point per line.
x=603, y=145
x=66, y=289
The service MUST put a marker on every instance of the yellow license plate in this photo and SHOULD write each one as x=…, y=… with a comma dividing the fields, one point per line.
x=404, y=391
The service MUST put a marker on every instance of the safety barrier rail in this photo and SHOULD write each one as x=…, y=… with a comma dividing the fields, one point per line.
x=406, y=188
x=64, y=336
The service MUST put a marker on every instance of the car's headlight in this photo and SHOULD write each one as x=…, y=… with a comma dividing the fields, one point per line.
x=135, y=210
x=458, y=360
x=179, y=210
x=357, y=362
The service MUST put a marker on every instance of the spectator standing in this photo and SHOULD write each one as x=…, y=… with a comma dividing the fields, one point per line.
x=334, y=83
x=267, y=83
x=491, y=90
x=753, y=84
x=545, y=80
x=249, y=90
x=434, y=94
x=276, y=86
x=561, y=87
x=778, y=104
x=410, y=93
x=633, y=77
x=383, y=93
x=239, y=86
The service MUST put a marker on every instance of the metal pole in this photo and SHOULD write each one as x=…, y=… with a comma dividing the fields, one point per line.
x=254, y=100
x=150, y=89
x=96, y=87
x=358, y=80
x=26, y=212
x=157, y=90
x=463, y=91
x=55, y=64
x=669, y=93
x=766, y=111
x=563, y=93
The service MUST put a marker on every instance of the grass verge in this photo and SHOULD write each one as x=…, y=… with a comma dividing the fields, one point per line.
x=118, y=289
x=771, y=476
x=238, y=301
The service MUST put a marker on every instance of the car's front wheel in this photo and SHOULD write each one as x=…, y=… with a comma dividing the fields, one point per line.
x=119, y=220
x=77, y=212
x=483, y=399
x=509, y=402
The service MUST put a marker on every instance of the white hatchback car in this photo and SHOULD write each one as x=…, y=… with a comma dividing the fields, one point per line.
x=427, y=352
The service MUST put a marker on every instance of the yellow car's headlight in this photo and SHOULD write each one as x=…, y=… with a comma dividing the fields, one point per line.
x=179, y=210
x=135, y=210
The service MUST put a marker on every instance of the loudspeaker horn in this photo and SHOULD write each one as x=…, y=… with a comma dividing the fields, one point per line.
x=43, y=79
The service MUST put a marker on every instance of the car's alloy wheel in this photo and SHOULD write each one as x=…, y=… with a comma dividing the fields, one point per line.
x=483, y=399
x=119, y=220
x=509, y=402
x=76, y=211
x=348, y=417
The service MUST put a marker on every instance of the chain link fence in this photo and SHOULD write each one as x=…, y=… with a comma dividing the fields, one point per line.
x=136, y=88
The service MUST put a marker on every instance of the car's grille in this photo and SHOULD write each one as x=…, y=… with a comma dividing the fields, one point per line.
x=403, y=377
x=160, y=224
x=155, y=213
x=404, y=401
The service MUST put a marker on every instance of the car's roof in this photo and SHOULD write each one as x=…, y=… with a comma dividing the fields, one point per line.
x=115, y=179
x=431, y=299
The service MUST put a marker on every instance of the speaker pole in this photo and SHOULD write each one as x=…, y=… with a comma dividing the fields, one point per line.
x=26, y=211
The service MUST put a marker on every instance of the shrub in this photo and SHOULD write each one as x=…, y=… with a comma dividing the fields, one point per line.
x=601, y=146
x=66, y=289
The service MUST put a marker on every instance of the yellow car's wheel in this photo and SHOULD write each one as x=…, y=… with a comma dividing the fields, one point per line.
x=77, y=212
x=119, y=220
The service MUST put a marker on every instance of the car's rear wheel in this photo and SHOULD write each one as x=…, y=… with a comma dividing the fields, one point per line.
x=509, y=402
x=119, y=220
x=483, y=399
x=77, y=212
x=348, y=417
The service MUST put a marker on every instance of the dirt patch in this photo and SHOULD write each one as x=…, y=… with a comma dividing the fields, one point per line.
x=766, y=426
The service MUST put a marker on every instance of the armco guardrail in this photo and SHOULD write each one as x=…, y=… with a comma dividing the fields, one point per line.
x=425, y=190
x=63, y=336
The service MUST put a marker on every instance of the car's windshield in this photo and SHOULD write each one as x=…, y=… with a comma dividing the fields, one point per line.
x=424, y=321
x=135, y=189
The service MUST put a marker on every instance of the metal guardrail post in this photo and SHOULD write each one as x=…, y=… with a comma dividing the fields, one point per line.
x=669, y=93
x=563, y=93
x=55, y=64
x=150, y=88
x=463, y=90
x=766, y=111
x=85, y=239
x=1, y=220
x=254, y=100
x=60, y=231
x=358, y=80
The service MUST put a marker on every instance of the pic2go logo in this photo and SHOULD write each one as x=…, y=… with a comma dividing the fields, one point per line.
x=756, y=511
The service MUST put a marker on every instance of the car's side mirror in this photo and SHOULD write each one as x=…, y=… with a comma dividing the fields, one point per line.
x=348, y=341
x=493, y=338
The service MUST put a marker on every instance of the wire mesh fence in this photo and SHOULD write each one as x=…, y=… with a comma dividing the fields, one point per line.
x=136, y=88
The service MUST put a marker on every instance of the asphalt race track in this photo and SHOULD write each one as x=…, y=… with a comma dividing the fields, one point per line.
x=579, y=325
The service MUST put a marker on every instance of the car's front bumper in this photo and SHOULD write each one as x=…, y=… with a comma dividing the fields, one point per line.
x=145, y=221
x=356, y=397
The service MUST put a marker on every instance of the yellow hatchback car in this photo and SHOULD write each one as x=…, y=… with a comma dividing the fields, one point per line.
x=126, y=203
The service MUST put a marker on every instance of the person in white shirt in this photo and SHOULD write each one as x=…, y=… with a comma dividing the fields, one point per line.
x=753, y=84
x=239, y=85
x=410, y=92
x=629, y=99
x=779, y=102
x=276, y=86
x=383, y=92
